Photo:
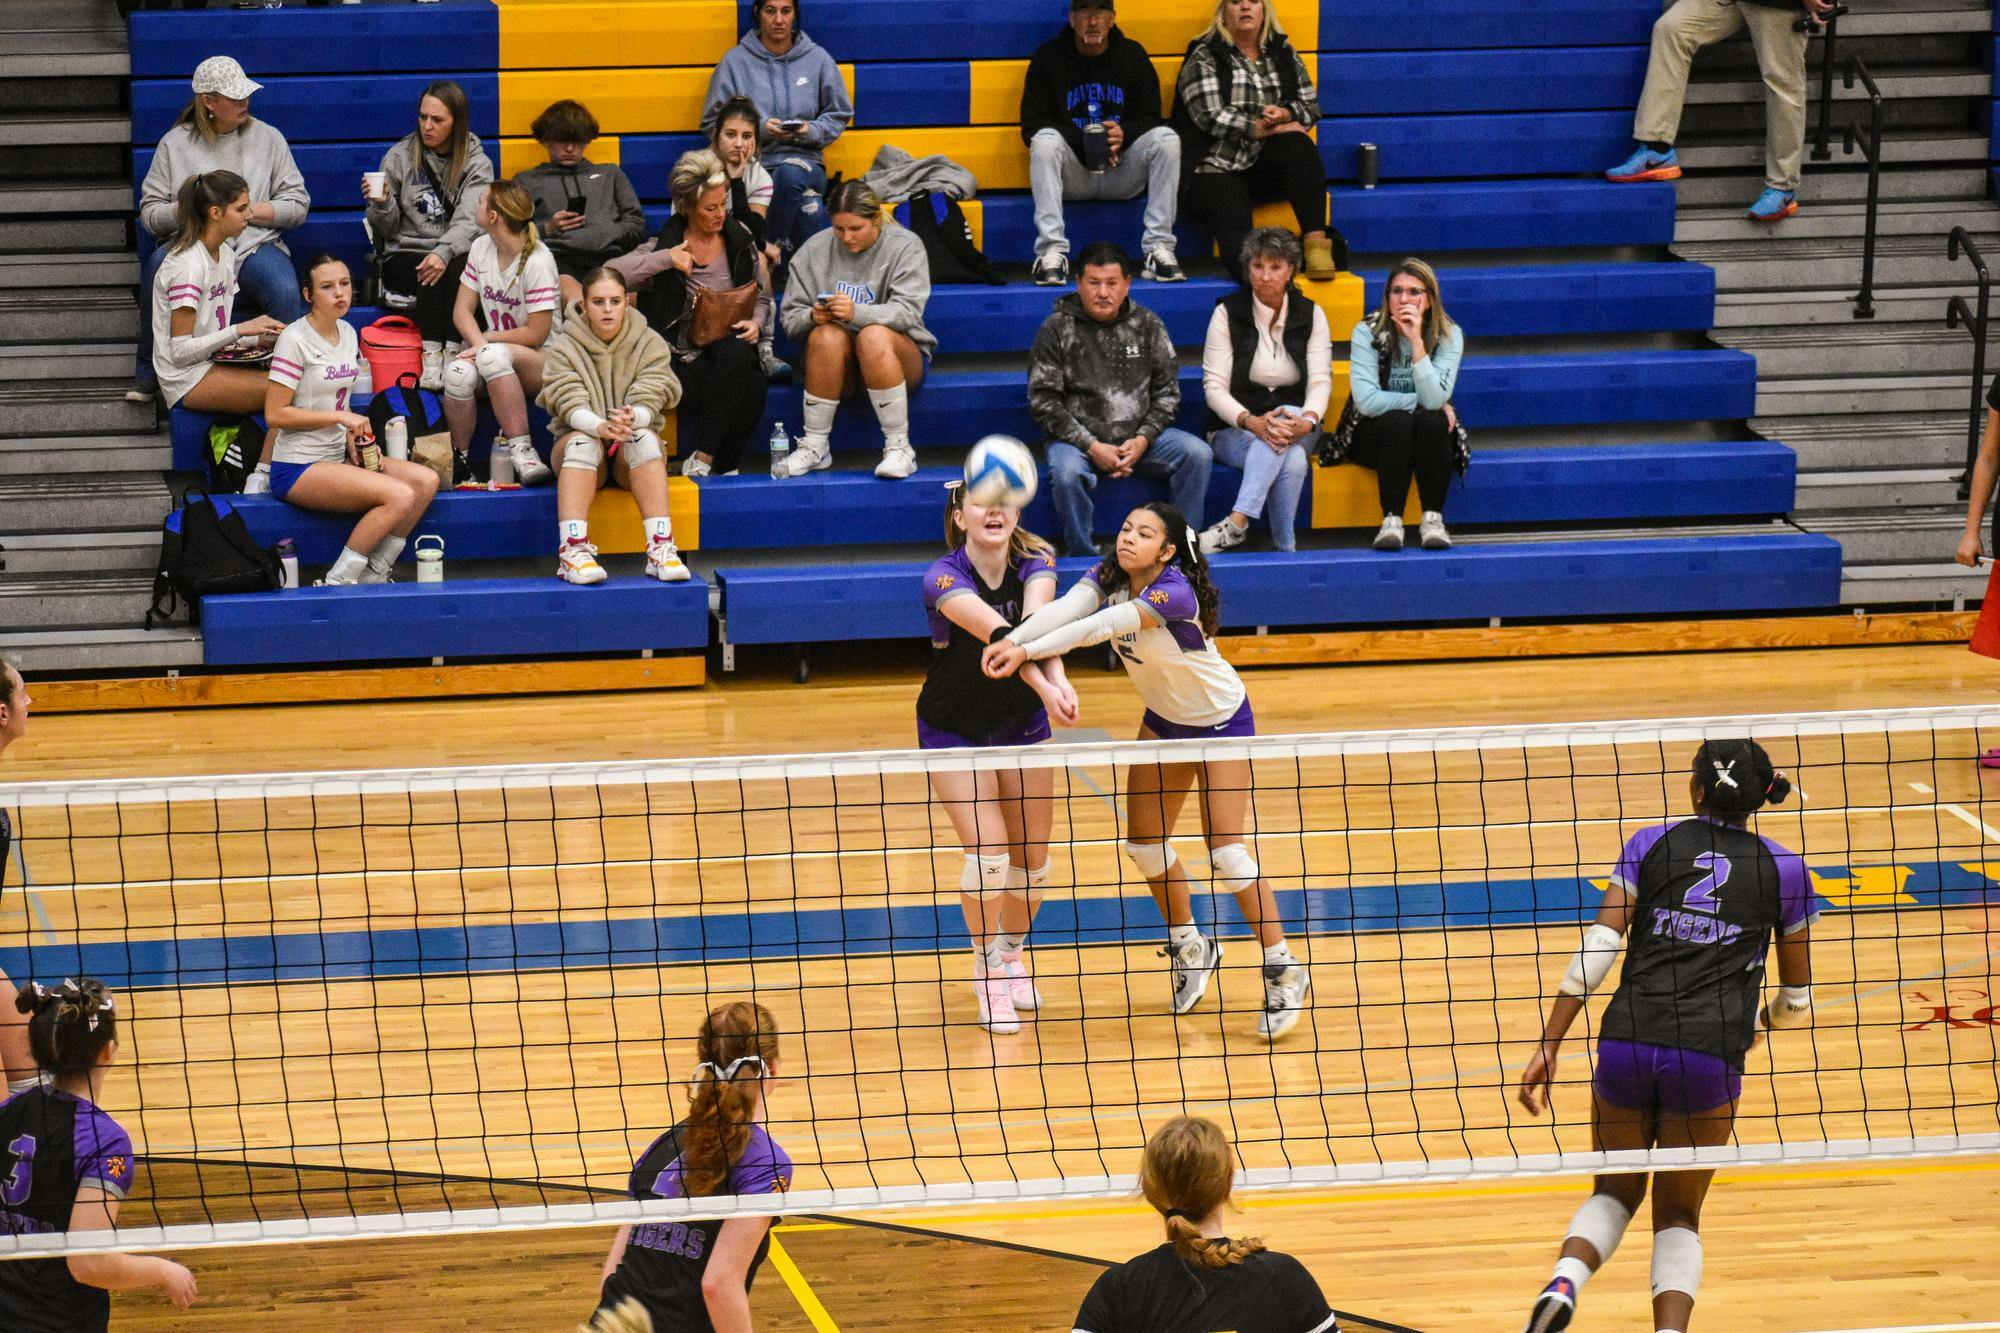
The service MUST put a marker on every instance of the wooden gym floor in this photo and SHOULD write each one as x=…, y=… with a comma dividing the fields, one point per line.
x=1904, y=1245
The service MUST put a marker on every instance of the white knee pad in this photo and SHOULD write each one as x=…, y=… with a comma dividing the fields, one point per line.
x=1151, y=859
x=984, y=876
x=643, y=447
x=1235, y=869
x=494, y=361
x=1021, y=882
x=1676, y=1261
x=583, y=452
x=461, y=380
x=1601, y=1221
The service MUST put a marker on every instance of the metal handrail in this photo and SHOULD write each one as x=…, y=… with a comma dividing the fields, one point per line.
x=1870, y=140
x=1958, y=314
x=1831, y=28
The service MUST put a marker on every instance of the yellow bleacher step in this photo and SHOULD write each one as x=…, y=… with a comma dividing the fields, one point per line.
x=584, y=34
x=616, y=528
x=1346, y=497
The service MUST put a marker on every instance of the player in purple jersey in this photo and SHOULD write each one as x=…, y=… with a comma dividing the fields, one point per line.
x=694, y=1277
x=16, y=1061
x=995, y=574
x=67, y=1166
x=1703, y=898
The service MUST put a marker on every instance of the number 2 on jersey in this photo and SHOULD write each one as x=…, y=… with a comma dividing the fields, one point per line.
x=21, y=1174
x=1700, y=896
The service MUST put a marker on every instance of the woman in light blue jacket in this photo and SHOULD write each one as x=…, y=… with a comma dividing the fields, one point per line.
x=1402, y=368
x=798, y=91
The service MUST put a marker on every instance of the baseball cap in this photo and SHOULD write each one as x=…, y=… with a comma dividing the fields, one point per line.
x=1075, y=5
x=220, y=74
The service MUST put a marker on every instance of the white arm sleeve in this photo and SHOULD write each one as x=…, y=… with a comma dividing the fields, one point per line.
x=1592, y=962
x=1124, y=618
x=585, y=420
x=190, y=349
x=1073, y=605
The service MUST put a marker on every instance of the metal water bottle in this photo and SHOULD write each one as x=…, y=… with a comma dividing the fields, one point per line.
x=1096, y=139
x=781, y=450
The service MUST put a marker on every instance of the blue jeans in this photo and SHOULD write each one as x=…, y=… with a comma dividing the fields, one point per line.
x=798, y=211
x=1181, y=458
x=1268, y=477
x=266, y=284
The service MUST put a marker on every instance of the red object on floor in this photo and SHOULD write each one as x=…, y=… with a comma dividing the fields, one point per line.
x=1986, y=634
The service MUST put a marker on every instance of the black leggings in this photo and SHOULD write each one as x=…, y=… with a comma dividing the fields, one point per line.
x=1288, y=168
x=1397, y=444
x=722, y=400
x=432, y=311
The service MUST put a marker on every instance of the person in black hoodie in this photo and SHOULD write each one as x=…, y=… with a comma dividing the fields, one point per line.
x=1090, y=113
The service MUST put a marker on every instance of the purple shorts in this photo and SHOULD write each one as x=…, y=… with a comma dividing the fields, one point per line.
x=1032, y=732
x=1640, y=1077
x=1240, y=723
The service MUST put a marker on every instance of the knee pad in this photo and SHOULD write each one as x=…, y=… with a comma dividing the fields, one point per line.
x=1601, y=1221
x=1676, y=1261
x=1151, y=859
x=1021, y=882
x=583, y=452
x=643, y=447
x=461, y=380
x=1235, y=869
x=984, y=876
x=494, y=361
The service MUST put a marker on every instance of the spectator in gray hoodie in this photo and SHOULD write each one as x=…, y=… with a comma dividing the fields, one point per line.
x=428, y=217
x=856, y=302
x=610, y=222
x=1104, y=386
x=216, y=132
x=798, y=91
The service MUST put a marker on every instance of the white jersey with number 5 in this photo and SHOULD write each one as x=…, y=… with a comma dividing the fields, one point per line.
x=191, y=280
x=507, y=296
x=321, y=376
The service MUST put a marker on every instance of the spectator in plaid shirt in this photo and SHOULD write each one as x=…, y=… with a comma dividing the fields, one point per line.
x=1245, y=108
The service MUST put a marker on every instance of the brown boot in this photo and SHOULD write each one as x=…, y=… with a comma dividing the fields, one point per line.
x=1319, y=258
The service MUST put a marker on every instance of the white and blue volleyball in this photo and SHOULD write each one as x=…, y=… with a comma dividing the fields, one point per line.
x=1000, y=473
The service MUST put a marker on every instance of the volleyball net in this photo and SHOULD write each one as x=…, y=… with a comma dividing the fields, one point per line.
x=396, y=1003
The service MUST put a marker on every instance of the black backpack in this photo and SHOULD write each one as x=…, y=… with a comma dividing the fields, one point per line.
x=940, y=224
x=424, y=409
x=207, y=549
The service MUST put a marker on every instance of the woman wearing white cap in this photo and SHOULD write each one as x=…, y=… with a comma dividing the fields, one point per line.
x=216, y=132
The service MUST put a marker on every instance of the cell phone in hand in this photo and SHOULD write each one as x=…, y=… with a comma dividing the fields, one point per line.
x=823, y=299
x=576, y=204
x=792, y=126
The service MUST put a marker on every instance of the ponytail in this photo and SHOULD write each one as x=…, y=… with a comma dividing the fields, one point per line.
x=1189, y=560
x=1186, y=1174
x=516, y=208
x=199, y=193
x=738, y=1045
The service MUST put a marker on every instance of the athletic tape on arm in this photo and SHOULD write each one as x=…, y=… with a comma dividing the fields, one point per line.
x=1592, y=962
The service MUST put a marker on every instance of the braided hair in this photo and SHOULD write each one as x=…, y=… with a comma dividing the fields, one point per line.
x=1736, y=778
x=68, y=1025
x=1186, y=1174
x=1187, y=558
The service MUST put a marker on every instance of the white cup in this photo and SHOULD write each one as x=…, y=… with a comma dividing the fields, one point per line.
x=378, y=184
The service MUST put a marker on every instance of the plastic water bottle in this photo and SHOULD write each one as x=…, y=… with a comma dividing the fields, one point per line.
x=288, y=559
x=781, y=450
x=1096, y=139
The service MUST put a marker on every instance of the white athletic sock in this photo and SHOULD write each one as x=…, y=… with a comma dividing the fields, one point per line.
x=659, y=530
x=892, y=409
x=817, y=419
x=991, y=955
x=383, y=558
x=574, y=530
x=1576, y=1270
x=261, y=470
x=1010, y=946
x=516, y=440
x=1178, y=936
x=1279, y=955
x=348, y=568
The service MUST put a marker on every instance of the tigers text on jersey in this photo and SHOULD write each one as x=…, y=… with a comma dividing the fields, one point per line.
x=507, y=296
x=1174, y=667
x=54, y=1143
x=664, y=1261
x=1159, y=1292
x=321, y=376
x=191, y=280
x=1706, y=897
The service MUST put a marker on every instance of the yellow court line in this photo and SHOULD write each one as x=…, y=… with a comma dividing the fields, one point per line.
x=811, y=1226
x=801, y=1290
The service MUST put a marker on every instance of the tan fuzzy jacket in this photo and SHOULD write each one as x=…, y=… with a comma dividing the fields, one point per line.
x=582, y=373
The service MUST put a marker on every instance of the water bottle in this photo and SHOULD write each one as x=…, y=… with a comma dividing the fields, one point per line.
x=1096, y=139
x=500, y=464
x=781, y=449
x=288, y=556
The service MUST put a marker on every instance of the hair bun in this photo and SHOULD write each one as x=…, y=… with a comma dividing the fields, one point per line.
x=1780, y=788
x=32, y=998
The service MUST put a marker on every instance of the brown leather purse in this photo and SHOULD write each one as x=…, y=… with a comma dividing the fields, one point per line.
x=713, y=313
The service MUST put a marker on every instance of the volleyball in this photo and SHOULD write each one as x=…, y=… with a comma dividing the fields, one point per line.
x=1000, y=472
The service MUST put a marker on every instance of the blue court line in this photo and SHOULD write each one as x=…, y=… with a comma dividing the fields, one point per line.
x=724, y=937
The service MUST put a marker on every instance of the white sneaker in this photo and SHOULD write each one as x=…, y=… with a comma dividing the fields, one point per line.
x=808, y=457
x=1051, y=269
x=257, y=483
x=576, y=562
x=432, y=375
x=1431, y=533
x=1194, y=966
x=1222, y=537
x=1389, y=537
x=694, y=466
x=663, y=562
x=996, y=1004
x=1021, y=986
x=898, y=462
x=330, y=582
x=529, y=469
x=1285, y=990
x=1162, y=266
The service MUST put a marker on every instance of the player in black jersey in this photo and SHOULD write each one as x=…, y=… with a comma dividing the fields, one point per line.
x=67, y=1165
x=994, y=574
x=1702, y=898
x=17, y=1062
x=1201, y=1280
x=694, y=1277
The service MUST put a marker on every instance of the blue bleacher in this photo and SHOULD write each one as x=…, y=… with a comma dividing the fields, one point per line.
x=465, y=618
x=381, y=107
x=1430, y=83
x=368, y=39
x=1539, y=143
x=1392, y=25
